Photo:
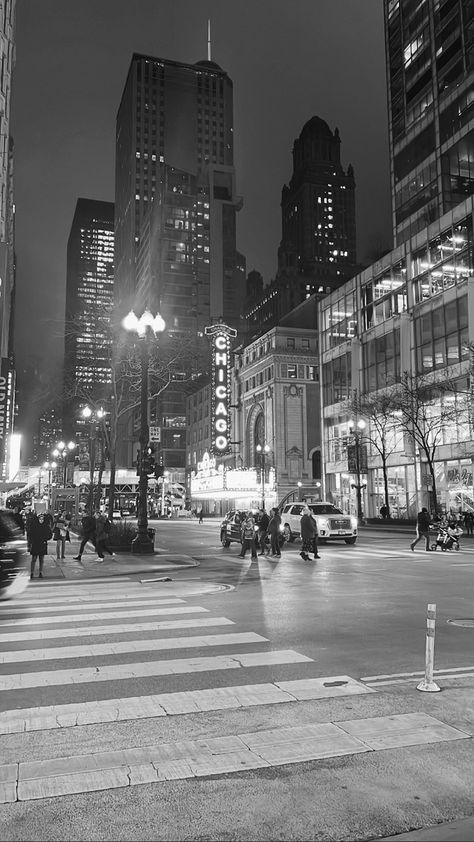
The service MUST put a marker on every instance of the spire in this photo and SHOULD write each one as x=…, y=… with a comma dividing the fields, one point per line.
x=209, y=40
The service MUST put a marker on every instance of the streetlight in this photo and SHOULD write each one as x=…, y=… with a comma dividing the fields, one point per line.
x=263, y=451
x=142, y=326
x=354, y=461
x=49, y=466
x=62, y=452
x=94, y=416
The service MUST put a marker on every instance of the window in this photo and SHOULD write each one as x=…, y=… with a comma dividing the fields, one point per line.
x=290, y=343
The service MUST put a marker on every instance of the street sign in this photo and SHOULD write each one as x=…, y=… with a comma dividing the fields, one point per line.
x=155, y=434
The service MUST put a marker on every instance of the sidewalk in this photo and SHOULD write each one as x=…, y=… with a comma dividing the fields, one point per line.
x=461, y=830
x=121, y=564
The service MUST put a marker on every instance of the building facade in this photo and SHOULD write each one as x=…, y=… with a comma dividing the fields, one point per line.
x=429, y=57
x=89, y=301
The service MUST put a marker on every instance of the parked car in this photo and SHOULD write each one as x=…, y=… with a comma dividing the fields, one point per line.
x=231, y=528
x=14, y=558
x=332, y=523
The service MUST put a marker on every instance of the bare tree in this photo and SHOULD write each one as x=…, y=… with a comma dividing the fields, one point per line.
x=426, y=408
x=379, y=409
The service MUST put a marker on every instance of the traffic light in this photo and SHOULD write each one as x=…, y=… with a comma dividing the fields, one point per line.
x=159, y=471
x=148, y=460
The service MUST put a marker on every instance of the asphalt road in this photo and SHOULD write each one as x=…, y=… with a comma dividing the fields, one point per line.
x=360, y=612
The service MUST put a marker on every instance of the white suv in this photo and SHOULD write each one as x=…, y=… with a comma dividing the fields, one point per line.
x=332, y=523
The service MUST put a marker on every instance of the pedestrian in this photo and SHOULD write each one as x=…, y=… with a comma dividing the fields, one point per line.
x=102, y=530
x=422, y=529
x=248, y=537
x=201, y=517
x=384, y=512
x=263, y=522
x=469, y=522
x=309, y=535
x=39, y=533
x=88, y=534
x=61, y=533
x=274, y=532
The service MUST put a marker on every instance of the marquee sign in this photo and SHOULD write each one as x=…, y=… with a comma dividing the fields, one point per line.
x=220, y=336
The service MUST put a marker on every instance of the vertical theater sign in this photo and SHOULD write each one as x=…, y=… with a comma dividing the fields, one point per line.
x=220, y=336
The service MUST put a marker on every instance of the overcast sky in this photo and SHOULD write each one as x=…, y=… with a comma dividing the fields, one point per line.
x=288, y=61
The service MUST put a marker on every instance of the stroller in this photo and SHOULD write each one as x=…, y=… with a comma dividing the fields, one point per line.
x=447, y=537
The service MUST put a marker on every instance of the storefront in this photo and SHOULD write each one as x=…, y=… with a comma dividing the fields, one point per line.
x=216, y=490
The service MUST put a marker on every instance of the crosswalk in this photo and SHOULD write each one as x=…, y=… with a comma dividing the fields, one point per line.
x=74, y=655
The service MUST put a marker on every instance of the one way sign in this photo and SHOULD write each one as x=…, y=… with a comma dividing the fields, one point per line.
x=155, y=433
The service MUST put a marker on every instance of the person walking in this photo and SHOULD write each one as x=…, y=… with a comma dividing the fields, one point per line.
x=422, y=529
x=248, y=537
x=274, y=532
x=263, y=522
x=201, y=517
x=88, y=534
x=61, y=533
x=309, y=535
x=102, y=530
x=39, y=534
x=469, y=522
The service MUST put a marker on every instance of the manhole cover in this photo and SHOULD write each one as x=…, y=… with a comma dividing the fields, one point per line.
x=467, y=624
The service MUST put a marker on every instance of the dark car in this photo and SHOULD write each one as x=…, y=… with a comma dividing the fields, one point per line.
x=231, y=528
x=14, y=557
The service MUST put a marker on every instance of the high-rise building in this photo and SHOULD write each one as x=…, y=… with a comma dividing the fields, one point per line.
x=175, y=217
x=429, y=56
x=317, y=251
x=89, y=299
x=180, y=115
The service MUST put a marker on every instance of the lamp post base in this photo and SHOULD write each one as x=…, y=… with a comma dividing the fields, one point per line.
x=143, y=545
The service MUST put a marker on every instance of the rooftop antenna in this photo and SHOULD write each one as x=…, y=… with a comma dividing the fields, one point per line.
x=209, y=40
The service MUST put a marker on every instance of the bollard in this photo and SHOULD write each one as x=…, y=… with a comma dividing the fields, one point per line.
x=428, y=685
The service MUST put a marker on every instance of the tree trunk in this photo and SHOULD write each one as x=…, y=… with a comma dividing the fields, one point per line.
x=113, y=463
x=385, y=485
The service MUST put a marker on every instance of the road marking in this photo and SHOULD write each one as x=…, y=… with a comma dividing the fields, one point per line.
x=169, y=704
x=411, y=676
x=99, y=649
x=120, y=672
x=151, y=600
x=72, y=601
x=75, y=618
x=96, y=631
x=218, y=755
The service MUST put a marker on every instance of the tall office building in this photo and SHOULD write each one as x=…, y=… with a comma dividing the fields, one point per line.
x=429, y=55
x=89, y=299
x=179, y=115
x=317, y=252
x=175, y=217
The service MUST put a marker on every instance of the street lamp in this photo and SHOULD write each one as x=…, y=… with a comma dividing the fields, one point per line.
x=49, y=466
x=62, y=452
x=263, y=451
x=94, y=416
x=354, y=459
x=142, y=327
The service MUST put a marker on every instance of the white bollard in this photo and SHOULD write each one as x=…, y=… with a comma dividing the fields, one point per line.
x=428, y=685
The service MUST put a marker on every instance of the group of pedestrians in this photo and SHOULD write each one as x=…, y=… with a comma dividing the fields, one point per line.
x=265, y=533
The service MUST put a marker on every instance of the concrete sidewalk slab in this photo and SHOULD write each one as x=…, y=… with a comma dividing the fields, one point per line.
x=461, y=830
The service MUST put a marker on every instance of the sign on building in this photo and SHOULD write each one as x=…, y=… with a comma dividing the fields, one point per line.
x=220, y=336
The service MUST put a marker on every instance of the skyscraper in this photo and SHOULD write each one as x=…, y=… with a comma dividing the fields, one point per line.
x=175, y=212
x=179, y=115
x=317, y=251
x=89, y=298
x=429, y=55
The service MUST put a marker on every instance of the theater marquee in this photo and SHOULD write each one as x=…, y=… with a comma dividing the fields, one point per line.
x=220, y=336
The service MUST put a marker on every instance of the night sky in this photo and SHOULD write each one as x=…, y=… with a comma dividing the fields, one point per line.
x=288, y=61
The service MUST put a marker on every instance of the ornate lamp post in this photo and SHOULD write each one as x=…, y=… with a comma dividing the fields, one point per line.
x=94, y=416
x=356, y=431
x=49, y=466
x=142, y=327
x=263, y=451
x=62, y=452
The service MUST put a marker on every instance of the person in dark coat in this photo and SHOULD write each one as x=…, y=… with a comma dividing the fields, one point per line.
x=39, y=534
x=102, y=530
x=88, y=534
x=309, y=535
x=274, y=532
x=263, y=522
x=422, y=529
